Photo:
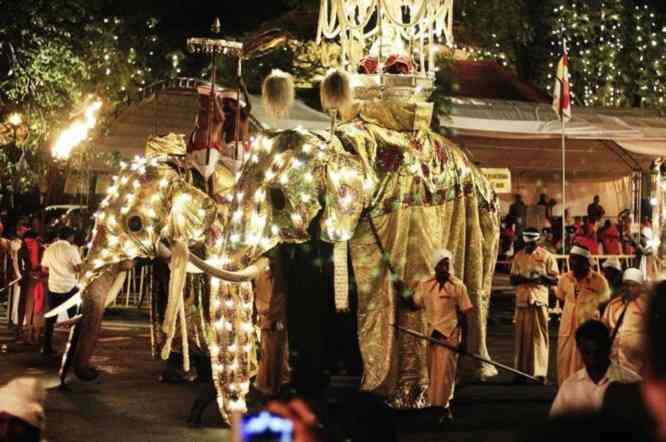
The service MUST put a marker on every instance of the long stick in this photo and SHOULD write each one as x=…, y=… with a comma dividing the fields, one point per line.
x=466, y=353
x=9, y=285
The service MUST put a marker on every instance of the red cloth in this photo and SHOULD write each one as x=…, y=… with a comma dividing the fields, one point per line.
x=35, y=251
x=612, y=245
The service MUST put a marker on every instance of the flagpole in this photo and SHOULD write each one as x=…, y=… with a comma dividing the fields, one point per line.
x=564, y=185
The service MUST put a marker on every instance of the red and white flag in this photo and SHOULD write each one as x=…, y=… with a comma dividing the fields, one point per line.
x=562, y=92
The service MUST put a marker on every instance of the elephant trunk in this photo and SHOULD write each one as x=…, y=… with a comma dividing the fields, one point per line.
x=247, y=274
x=94, y=300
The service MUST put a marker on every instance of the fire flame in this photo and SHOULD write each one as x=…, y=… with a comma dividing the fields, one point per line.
x=76, y=132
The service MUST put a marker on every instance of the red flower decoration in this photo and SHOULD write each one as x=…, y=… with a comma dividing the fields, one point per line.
x=389, y=159
x=398, y=64
x=441, y=152
x=369, y=65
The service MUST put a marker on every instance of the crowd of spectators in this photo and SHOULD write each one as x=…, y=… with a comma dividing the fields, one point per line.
x=596, y=231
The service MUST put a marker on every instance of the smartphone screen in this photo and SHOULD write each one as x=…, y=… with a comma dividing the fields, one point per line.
x=265, y=427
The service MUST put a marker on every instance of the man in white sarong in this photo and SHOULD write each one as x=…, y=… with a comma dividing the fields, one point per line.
x=533, y=270
x=446, y=302
x=584, y=292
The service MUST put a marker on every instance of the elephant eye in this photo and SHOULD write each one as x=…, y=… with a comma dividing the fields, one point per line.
x=278, y=200
x=135, y=224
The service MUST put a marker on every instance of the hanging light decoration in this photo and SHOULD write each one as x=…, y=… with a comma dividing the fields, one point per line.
x=385, y=28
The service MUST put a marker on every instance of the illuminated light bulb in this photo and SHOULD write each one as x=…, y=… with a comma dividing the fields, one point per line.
x=112, y=190
x=232, y=348
x=307, y=148
x=214, y=350
x=124, y=210
x=296, y=218
x=284, y=179
x=278, y=161
x=305, y=198
x=265, y=243
x=253, y=239
x=217, y=304
x=237, y=216
x=269, y=175
x=150, y=230
x=275, y=230
x=136, y=184
x=201, y=213
x=124, y=180
x=308, y=177
x=113, y=241
x=234, y=238
x=258, y=220
x=164, y=183
x=259, y=196
x=247, y=348
x=130, y=196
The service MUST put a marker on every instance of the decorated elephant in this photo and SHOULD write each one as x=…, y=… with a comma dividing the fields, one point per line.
x=385, y=188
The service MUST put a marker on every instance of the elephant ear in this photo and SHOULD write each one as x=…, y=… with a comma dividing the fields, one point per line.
x=346, y=197
x=191, y=216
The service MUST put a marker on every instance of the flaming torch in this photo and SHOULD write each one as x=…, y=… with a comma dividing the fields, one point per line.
x=76, y=132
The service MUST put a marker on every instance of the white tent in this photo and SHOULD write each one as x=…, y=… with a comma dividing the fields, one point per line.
x=605, y=147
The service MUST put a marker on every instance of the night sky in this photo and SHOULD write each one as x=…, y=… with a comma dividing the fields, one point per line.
x=193, y=17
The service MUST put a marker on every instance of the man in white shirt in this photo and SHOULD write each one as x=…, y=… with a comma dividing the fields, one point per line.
x=584, y=390
x=63, y=262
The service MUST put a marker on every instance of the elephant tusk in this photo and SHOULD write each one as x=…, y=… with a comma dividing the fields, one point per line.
x=247, y=274
x=71, y=302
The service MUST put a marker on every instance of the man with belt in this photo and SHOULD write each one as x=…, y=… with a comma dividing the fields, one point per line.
x=626, y=317
x=584, y=292
x=445, y=301
x=533, y=270
x=63, y=263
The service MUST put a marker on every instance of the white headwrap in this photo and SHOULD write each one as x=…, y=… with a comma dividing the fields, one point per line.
x=24, y=398
x=612, y=263
x=576, y=250
x=647, y=232
x=439, y=255
x=531, y=236
x=634, y=275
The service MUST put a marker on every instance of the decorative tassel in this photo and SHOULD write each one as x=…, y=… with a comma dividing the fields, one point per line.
x=335, y=90
x=341, y=277
x=277, y=93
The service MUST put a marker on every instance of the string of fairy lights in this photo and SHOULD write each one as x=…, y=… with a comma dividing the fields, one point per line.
x=617, y=53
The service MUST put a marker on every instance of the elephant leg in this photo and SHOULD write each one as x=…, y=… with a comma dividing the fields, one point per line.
x=92, y=309
x=205, y=397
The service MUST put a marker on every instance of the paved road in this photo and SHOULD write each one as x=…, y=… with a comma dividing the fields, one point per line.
x=130, y=405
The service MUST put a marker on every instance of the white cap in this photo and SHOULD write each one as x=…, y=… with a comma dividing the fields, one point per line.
x=531, y=236
x=24, y=398
x=612, y=263
x=634, y=275
x=647, y=232
x=576, y=250
x=439, y=255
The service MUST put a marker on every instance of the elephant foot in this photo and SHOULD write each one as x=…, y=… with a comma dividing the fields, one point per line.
x=87, y=373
